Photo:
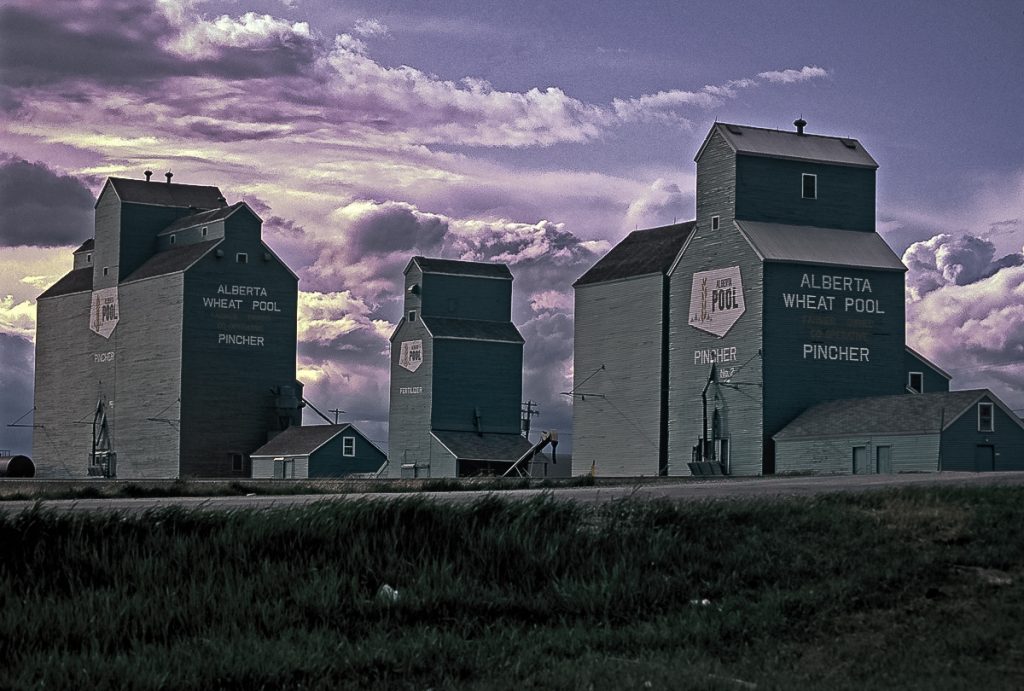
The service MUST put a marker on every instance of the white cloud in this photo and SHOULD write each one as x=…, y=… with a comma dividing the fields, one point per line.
x=201, y=38
x=18, y=318
x=370, y=28
x=790, y=76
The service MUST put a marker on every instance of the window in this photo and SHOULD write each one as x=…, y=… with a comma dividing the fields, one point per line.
x=236, y=462
x=242, y=258
x=204, y=231
x=106, y=270
x=714, y=223
x=348, y=446
x=986, y=423
x=915, y=382
x=172, y=239
x=412, y=315
x=810, y=186
x=88, y=257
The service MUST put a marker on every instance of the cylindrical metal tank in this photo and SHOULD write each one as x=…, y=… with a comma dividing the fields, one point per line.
x=17, y=466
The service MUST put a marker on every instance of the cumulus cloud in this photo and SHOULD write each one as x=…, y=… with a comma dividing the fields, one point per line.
x=789, y=76
x=42, y=207
x=947, y=260
x=662, y=203
x=370, y=27
x=18, y=318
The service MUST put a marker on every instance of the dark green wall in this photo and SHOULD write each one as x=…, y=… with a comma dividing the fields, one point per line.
x=470, y=375
x=140, y=224
x=933, y=381
x=794, y=381
x=466, y=297
x=769, y=190
x=328, y=461
x=227, y=403
x=962, y=437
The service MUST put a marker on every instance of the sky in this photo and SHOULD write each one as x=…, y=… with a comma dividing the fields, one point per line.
x=532, y=133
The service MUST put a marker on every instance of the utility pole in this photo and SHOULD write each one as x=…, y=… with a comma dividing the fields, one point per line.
x=527, y=411
x=336, y=414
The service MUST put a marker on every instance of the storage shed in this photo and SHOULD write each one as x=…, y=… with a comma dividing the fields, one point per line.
x=947, y=430
x=319, y=451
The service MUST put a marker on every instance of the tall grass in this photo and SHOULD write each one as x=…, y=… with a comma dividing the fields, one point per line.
x=885, y=590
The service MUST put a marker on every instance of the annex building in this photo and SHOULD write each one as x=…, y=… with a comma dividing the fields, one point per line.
x=169, y=349
x=696, y=344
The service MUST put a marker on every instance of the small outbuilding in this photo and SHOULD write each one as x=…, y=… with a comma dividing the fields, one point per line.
x=319, y=451
x=946, y=430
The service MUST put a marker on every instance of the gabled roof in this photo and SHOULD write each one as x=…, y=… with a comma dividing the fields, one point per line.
x=640, y=253
x=207, y=217
x=473, y=329
x=777, y=242
x=928, y=363
x=926, y=413
x=75, y=281
x=488, y=446
x=166, y=194
x=86, y=246
x=172, y=261
x=460, y=268
x=757, y=141
x=301, y=441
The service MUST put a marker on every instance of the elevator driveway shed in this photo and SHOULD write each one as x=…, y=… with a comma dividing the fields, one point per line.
x=947, y=430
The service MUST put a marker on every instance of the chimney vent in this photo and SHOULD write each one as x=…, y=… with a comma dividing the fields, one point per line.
x=800, y=124
x=148, y=174
x=169, y=175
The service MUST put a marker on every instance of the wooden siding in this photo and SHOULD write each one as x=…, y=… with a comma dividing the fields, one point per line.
x=794, y=380
x=769, y=190
x=227, y=401
x=140, y=224
x=107, y=239
x=834, y=456
x=411, y=392
x=466, y=297
x=329, y=461
x=68, y=382
x=618, y=326
x=933, y=381
x=442, y=462
x=716, y=184
x=960, y=439
x=476, y=376
x=149, y=378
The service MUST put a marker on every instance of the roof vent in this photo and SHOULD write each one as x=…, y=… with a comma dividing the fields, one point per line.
x=800, y=125
x=849, y=143
x=168, y=175
x=148, y=174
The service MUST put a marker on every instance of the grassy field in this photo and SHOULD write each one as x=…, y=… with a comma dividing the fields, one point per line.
x=911, y=589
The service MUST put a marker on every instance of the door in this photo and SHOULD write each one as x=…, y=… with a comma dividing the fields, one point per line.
x=984, y=458
x=860, y=461
x=883, y=459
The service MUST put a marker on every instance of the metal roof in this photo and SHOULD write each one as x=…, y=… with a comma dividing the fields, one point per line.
x=926, y=413
x=460, y=268
x=86, y=246
x=76, y=281
x=473, y=329
x=301, y=441
x=206, y=217
x=167, y=194
x=172, y=261
x=488, y=446
x=811, y=245
x=757, y=141
x=641, y=252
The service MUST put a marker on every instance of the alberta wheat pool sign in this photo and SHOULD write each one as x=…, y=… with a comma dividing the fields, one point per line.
x=103, y=315
x=716, y=300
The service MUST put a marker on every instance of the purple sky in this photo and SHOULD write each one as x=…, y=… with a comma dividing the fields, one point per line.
x=364, y=133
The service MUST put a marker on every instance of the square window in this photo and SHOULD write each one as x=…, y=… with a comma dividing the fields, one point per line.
x=810, y=186
x=106, y=270
x=412, y=315
x=236, y=462
x=348, y=446
x=204, y=231
x=242, y=258
x=915, y=382
x=172, y=239
x=714, y=223
x=88, y=258
x=986, y=415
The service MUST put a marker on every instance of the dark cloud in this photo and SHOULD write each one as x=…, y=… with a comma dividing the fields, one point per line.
x=42, y=207
x=393, y=227
x=16, y=354
x=547, y=370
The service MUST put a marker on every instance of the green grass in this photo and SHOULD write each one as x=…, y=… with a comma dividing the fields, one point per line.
x=900, y=589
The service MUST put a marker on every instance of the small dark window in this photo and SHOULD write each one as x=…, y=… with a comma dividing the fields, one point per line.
x=714, y=223
x=242, y=258
x=810, y=186
x=106, y=270
x=204, y=231
x=986, y=423
x=172, y=239
x=412, y=315
x=348, y=446
x=88, y=258
x=236, y=462
x=915, y=382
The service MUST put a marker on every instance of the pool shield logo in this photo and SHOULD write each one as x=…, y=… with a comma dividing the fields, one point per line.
x=716, y=300
x=411, y=355
x=104, y=313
